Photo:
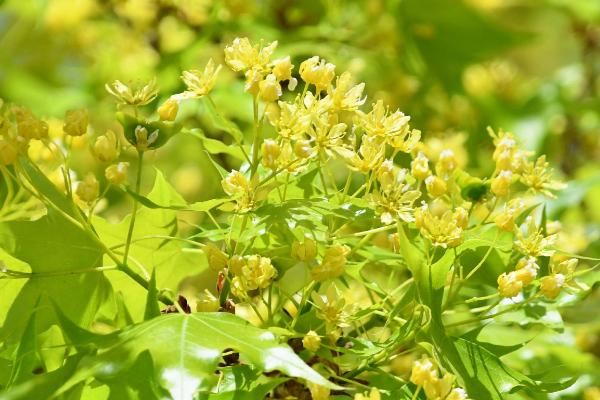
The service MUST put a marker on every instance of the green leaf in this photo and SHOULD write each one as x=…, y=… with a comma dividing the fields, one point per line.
x=26, y=359
x=214, y=146
x=221, y=123
x=165, y=129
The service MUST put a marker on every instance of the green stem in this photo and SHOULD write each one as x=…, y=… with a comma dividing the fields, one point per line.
x=138, y=182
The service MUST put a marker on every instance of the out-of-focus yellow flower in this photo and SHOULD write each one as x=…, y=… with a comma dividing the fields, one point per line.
x=217, y=260
x=526, y=270
x=282, y=69
x=304, y=251
x=318, y=72
x=333, y=263
x=106, y=147
x=270, y=150
x=138, y=95
x=419, y=166
x=505, y=220
x=446, y=163
x=318, y=392
x=88, y=189
x=423, y=371
x=509, y=285
x=552, y=284
x=168, y=110
x=258, y=272
x=28, y=126
x=439, y=388
x=76, y=122
x=311, y=341
x=116, y=174
x=373, y=395
x=592, y=393
x=501, y=183
x=331, y=309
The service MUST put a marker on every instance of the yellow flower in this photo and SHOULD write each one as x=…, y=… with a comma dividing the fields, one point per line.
x=436, y=186
x=370, y=155
x=531, y=242
x=393, y=127
x=419, y=166
x=423, y=371
x=331, y=308
x=446, y=163
x=526, y=270
x=373, y=395
x=106, y=147
x=143, y=140
x=168, y=111
x=240, y=55
x=116, y=173
x=436, y=388
x=303, y=149
x=442, y=229
x=317, y=72
x=505, y=220
x=311, y=341
x=552, y=284
x=217, y=260
x=282, y=69
x=270, y=150
x=258, y=272
x=539, y=177
x=509, y=285
x=396, y=197
x=345, y=96
x=133, y=96
x=199, y=83
x=28, y=126
x=76, y=122
x=501, y=183
x=305, y=251
x=269, y=89
x=318, y=392
x=333, y=263
x=88, y=189
x=457, y=394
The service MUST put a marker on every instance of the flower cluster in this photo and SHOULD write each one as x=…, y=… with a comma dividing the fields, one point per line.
x=425, y=375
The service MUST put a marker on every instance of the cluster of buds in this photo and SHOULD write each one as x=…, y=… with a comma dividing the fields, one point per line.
x=424, y=374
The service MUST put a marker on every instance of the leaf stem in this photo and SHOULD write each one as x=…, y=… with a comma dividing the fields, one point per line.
x=138, y=182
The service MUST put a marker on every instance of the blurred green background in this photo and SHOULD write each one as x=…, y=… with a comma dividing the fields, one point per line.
x=527, y=66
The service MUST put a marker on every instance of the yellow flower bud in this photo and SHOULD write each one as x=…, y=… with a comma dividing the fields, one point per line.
x=509, y=285
x=435, y=185
x=462, y=217
x=306, y=251
x=207, y=302
x=76, y=122
x=551, y=285
x=236, y=263
x=28, y=125
x=258, y=272
x=526, y=270
x=106, y=147
x=311, y=341
x=446, y=162
x=501, y=183
x=333, y=263
x=217, y=260
x=116, y=174
x=505, y=221
x=8, y=152
x=168, y=111
x=88, y=189
x=419, y=167
x=270, y=152
x=439, y=388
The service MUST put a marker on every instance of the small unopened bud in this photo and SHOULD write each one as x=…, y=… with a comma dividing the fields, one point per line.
x=168, y=111
x=142, y=139
x=311, y=341
x=435, y=185
x=306, y=251
x=446, y=162
x=509, y=285
x=76, y=122
x=116, y=174
x=29, y=126
x=106, y=147
x=88, y=189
